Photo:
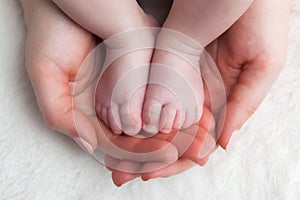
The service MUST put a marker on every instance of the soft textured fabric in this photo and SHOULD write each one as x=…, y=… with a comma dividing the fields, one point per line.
x=38, y=163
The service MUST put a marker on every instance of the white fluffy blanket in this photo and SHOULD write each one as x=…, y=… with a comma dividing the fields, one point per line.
x=38, y=163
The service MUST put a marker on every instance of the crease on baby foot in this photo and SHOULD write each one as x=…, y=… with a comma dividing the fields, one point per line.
x=128, y=41
x=181, y=45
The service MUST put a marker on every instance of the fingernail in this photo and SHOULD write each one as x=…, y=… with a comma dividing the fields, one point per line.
x=207, y=147
x=84, y=145
x=234, y=137
x=145, y=179
x=117, y=185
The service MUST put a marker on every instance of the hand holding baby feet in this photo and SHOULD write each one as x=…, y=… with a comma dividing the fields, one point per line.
x=111, y=21
x=178, y=47
x=174, y=97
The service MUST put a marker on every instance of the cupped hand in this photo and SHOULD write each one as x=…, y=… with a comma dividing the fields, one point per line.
x=250, y=56
x=198, y=152
x=56, y=50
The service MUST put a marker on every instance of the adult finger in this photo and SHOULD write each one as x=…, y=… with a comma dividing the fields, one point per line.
x=259, y=69
x=253, y=85
x=180, y=166
x=135, y=149
x=50, y=75
x=121, y=177
x=195, y=142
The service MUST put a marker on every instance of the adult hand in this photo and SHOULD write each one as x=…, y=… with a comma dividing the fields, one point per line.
x=249, y=56
x=56, y=50
x=53, y=57
x=202, y=146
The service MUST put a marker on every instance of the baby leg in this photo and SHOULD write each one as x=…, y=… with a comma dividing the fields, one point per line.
x=120, y=111
x=189, y=27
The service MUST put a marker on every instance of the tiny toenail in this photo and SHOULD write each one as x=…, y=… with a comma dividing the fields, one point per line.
x=152, y=128
x=165, y=131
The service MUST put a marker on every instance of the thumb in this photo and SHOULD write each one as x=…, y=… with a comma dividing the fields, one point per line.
x=253, y=84
x=53, y=93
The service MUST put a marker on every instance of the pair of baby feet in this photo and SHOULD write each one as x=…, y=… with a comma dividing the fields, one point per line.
x=151, y=80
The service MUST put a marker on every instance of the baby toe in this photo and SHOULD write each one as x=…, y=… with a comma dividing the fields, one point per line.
x=102, y=114
x=168, y=115
x=151, y=116
x=131, y=119
x=198, y=114
x=179, y=120
x=189, y=119
x=114, y=121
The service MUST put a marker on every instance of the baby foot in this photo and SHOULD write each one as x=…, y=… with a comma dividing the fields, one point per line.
x=122, y=85
x=203, y=21
x=174, y=97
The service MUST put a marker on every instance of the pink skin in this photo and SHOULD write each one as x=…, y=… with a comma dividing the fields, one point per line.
x=55, y=50
x=250, y=68
x=201, y=144
x=193, y=25
x=249, y=64
x=52, y=83
x=54, y=55
x=121, y=111
x=198, y=153
x=162, y=111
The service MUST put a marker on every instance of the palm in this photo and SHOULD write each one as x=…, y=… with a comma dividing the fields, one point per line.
x=249, y=60
x=58, y=52
x=58, y=39
x=53, y=57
